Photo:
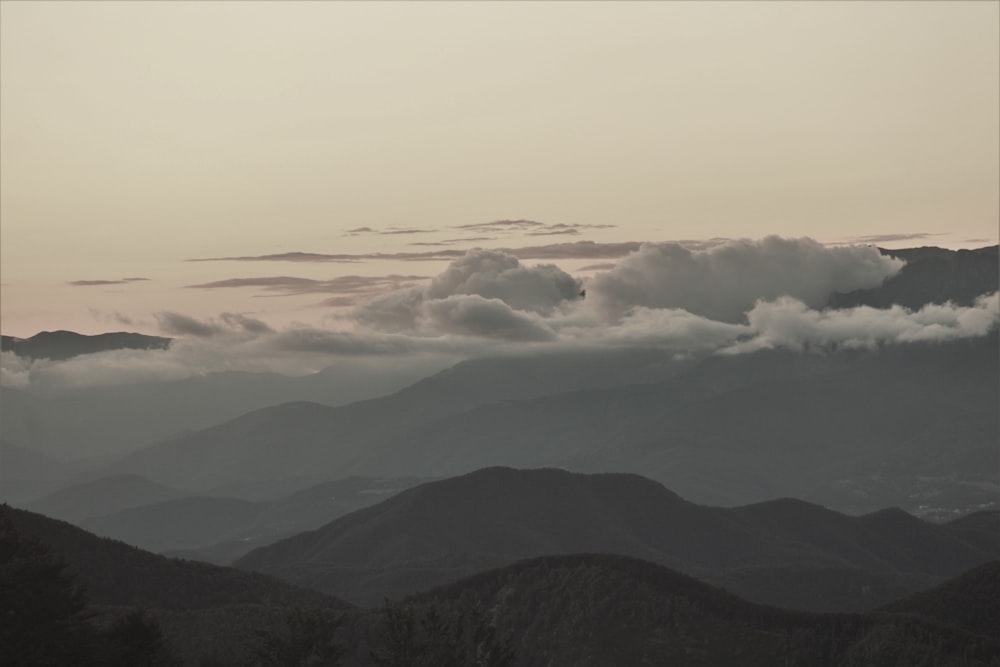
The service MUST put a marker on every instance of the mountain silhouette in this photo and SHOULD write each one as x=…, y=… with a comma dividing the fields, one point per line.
x=116, y=574
x=931, y=275
x=61, y=345
x=101, y=496
x=440, y=531
x=615, y=611
x=855, y=430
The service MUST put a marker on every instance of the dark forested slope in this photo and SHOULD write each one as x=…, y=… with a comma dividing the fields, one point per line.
x=116, y=574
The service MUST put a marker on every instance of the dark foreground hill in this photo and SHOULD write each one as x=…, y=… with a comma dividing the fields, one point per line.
x=60, y=345
x=597, y=610
x=558, y=610
x=441, y=531
x=971, y=601
x=116, y=574
x=614, y=611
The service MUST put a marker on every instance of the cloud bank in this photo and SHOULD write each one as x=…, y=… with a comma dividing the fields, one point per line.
x=351, y=288
x=728, y=297
x=486, y=293
x=574, y=250
x=724, y=282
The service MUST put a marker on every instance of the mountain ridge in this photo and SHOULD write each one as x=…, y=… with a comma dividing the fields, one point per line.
x=443, y=530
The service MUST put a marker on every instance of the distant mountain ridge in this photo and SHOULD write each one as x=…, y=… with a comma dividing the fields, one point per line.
x=101, y=496
x=62, y=345
x=931, y=275
x=70, y=422
x=215, y=528
x=24, y=471
x=800, y=425
x=440, y=531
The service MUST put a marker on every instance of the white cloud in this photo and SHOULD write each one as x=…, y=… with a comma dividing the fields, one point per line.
x=724, y=282
x=473, y=315
x=736, y=297
x=485, y=293
x=495, y=275
x=791, y=324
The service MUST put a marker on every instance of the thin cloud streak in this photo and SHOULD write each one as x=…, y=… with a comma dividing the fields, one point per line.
x=96, y=283
x=574, y=250
x=390, y=231
x=291, y=285
x=890, y=238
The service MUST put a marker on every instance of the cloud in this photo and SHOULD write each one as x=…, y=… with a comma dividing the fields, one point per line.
x=446, y=242
x=294, y=352
x=889, y=238
x=390, y=231
x=717, y=296
x=574, y=250
x=791, y=324
x=15, y=371
x=463, y=326
x=358, y=286
x=509, y=297
x=177, y=324
x=314, y=257
x=531, y=227
x=93, y=283
x=406, y=230
x=114, y=317
x=724, y=281
x=556, y=232
x=669, y=328
x=239, y=321
x=281, y=283
x=307, y=339
x=493, y=274
x=474, y=315
x=502, y=225
x=607, y=266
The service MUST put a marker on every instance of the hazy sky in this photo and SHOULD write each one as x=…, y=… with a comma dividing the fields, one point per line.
x=136, y=136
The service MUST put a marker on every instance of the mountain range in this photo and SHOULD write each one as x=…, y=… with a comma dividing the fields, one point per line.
x=60, y=345
x=438, y=532
x=116, y=574
x=556, y=610
x=912, y=426
x=216, y=529
x=600, y=610
x=930, y=275
x=603, y=504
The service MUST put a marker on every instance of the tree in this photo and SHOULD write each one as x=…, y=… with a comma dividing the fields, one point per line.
x=308, y=641
x=433, y=638
x=136, y=641
x=42, y=609
x=399, y=637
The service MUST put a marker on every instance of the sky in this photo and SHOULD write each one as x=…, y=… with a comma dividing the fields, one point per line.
x=325, y=162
